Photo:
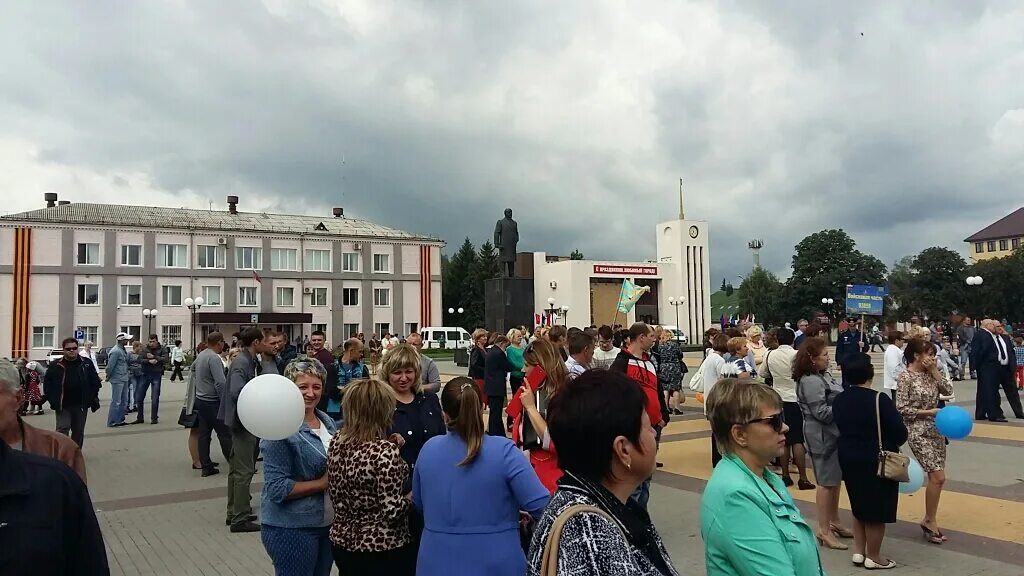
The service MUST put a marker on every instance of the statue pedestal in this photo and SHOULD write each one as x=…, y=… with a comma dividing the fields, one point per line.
x=508, y=302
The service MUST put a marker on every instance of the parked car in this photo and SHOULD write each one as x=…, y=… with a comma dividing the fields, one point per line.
x=447, y=337
x=54, y=355
x=677, y=334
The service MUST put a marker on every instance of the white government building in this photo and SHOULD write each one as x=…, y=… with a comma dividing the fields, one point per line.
x=95, y=268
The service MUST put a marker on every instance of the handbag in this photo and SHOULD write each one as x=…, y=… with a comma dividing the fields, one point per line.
x=549, y=556
x=891, y=465
x=188, y=420
x=697, y=380
x=769, y=380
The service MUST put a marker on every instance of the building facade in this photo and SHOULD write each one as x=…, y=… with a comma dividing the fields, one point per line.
x=93, y=269
x=590, y=288
x=999, y=239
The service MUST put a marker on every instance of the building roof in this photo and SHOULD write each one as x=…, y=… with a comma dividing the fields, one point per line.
x=150, y=217
x=1010, y=226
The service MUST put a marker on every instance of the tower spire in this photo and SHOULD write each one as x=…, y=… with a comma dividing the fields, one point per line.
x=682, y=215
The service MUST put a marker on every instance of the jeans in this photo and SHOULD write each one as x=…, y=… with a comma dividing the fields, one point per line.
x=118, y=395
x=243, y=466
x=965, y=353
x=71, y=422
x=298, y=551
x=149, y=379
x=134, y=383
x=206, y=411
x=643, y=492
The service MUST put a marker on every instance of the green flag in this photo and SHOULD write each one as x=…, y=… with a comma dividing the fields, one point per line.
x=629, y=294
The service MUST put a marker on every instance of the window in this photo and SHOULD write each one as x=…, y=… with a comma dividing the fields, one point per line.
x=247, y=258
x=131, y=295
x=247, y=296
x=350, y=262
x=318, y=328
x=131, y=255
x=171, y=256
x=285, y=296
x=171, y=295
x=90, y=334
x=210, y=257
x=350, y=296
x=211, y=296
x=991, y=246
x=318, y=260
x=88, y=294
x=382, y=263
x=170, y=333
x=283, y=259
x=979, y=247
x=382, y=328
x=42, y=337
x=135, y=331
x=89, y=254
x=1004, y=245
x=318, y=297
x=351, y=330
x=411, y=327
x=1015, y=243
x=453, y=336
x=382, y=297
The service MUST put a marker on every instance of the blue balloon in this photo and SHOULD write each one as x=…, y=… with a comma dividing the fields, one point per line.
x=954, y=422
x=916, y=478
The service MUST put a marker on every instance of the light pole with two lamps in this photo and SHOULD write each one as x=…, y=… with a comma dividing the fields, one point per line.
x=193, y=306
x=149, y=315
x=676, y=303
x=975, y=281
x=551, y=310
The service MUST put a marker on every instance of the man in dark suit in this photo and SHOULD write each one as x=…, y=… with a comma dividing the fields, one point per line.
x=496, y=370
x=992, y=356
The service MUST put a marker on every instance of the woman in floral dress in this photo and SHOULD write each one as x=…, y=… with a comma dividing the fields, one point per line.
x=671, y=370
x=917, y=399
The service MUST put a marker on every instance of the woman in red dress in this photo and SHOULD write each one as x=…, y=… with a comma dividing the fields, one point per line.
x=545, y=376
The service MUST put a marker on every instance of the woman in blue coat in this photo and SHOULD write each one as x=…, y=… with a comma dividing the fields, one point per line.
x=471, y=489
x=295, y=507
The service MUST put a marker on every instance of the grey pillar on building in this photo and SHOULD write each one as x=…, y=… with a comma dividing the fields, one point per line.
x=336, y=329
x=267, y=285
x=367, y=290
x=397, y=291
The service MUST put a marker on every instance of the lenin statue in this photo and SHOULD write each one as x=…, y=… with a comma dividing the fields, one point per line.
x=506, y=236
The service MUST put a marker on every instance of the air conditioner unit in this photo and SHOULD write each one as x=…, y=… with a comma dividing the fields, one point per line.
x=357, y=246
x=307, y=290
x=222, y=241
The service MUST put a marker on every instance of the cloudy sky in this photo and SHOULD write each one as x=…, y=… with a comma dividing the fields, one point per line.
x=899, y=122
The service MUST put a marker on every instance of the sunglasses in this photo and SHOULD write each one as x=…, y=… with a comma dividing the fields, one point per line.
x=775, y=421
x=75, y=349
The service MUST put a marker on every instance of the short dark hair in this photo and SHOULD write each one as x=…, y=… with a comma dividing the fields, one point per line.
x=557, y=333
x=250, y=335
x=639, y=329
x=857, y=369
x=734, y=332
x=318, y=333
x=579, y=341
x=720, y=343
x=895, y=335
x=917, y=347
x=177, y=342
x=605, y=332
x=214, y=338
x=67, y=341
x=154, y=337
x=588, y=414
x=785, y=336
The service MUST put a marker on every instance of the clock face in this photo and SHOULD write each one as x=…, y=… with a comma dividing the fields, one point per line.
x=693, y=231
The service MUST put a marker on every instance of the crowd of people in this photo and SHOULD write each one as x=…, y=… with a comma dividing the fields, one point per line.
x=392, y=472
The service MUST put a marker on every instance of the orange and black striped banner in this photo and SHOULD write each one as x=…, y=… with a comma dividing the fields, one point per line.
x=425, y=286
x=22, y=277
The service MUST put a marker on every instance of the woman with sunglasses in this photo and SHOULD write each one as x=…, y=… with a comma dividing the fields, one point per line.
x=816, y=390
x=545, y=375
x=748, y=519
x=296, y=510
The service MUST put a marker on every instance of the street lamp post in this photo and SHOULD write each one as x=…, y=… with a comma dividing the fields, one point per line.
x=676, y=303
x=149, y=315
x=975, y=281
x=565, y=315
x=193, y=307
x=551, y=310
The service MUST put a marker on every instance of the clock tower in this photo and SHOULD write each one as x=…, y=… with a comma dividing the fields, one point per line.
x=684, y=243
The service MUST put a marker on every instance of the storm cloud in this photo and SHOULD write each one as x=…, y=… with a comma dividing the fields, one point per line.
x=902, y=125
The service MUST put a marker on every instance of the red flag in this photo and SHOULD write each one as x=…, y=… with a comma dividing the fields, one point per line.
x=256, y=277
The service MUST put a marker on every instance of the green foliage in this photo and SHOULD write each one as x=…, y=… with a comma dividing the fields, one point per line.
x=729, y=289
x=760, y=294
x=457, y=282
x=576, y=255
x=939, y=287
x=823, y=264
x=1000, y=295
x=485, y=267
x=901, y=304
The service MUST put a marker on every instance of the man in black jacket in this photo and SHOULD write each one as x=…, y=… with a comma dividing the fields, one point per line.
x=153, y=364
x=72, y=387
x=993, y=358
x=47, y=523
x=848, y=345
x=496, y=370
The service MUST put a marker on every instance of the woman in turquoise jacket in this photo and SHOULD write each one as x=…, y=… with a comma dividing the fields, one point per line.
x=748, y=520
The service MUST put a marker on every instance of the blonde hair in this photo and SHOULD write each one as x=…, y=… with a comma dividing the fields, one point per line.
x=666, y=335
x=541, y=332
x=736, y=344
x=368, y=406
x=733, y=401
x=513, y=334
x=754, y=331
x=543, y=353
x=402, y=357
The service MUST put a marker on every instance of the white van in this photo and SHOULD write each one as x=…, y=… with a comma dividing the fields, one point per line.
x=677, y=333
x=445, y=337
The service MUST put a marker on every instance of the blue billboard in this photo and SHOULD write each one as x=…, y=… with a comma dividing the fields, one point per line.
x=866, y=300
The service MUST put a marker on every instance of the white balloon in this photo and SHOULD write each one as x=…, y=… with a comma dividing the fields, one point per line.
x=271, y=407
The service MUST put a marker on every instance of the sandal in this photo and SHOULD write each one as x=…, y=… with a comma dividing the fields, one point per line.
x=934, y=537
x=840, y=531
x=805, y=484
x=830, y=542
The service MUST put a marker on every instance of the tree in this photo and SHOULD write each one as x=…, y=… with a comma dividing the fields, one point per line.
x=729, y=289
x=938, y=287
x=1000, y=296
x=761, y=295
x=457, y=282
x=576, y=255
x=901, y=304
x=485, y=267
x=723, y=284
x=823, y=264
